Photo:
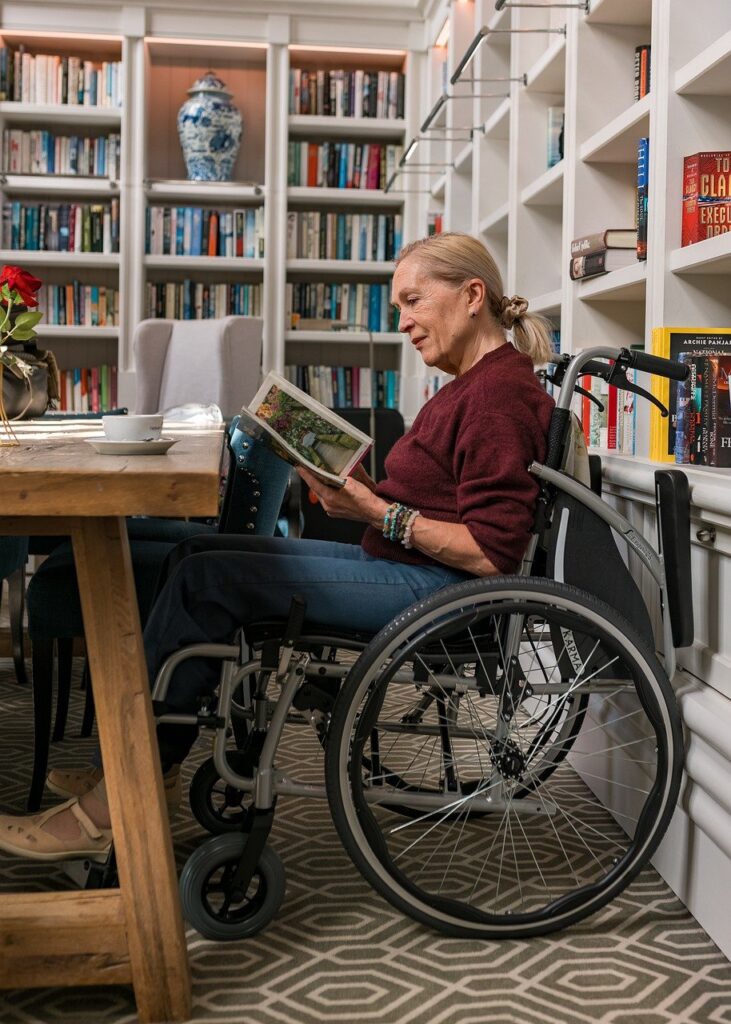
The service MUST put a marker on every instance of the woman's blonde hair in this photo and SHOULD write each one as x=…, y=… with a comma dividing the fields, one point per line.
x=456, y=258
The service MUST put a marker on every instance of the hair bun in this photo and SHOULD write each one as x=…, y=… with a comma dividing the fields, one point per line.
x=512, y=309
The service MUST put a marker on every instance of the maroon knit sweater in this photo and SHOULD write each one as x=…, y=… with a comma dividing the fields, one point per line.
x=465, y=459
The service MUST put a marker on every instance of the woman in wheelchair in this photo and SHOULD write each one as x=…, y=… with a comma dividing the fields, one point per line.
x=457, y=503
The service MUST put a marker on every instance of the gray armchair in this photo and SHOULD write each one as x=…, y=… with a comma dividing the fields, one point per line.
x=203, y=361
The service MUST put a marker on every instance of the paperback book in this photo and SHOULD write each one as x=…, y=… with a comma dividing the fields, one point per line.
x=304, y=432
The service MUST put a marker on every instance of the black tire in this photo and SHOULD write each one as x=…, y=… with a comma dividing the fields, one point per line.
x=205, y=888
x=519, y=826
x=217, y=806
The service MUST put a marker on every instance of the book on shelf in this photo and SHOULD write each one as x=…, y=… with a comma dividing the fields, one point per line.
x=643, y=179
x=88, y=389
x=612, y=427
x=642, y=71
x=598, y=241
x=706, y=196
x=61, y=227
x=368, y=237
x=304, y=432
x=695, y=405
x=42, y=152
x=347, y=387
x=434, y=223
x=604, y=261
x=556, y=120
x=341, y=93
x=49, y=78
x=201, y=300
x=352, y=302
x=361, y=165
x=199, y=231
x=79, y=305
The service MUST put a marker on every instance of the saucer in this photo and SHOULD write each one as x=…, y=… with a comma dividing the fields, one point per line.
x=105, y=447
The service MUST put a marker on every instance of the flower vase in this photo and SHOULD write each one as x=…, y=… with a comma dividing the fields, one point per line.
x=209, y=128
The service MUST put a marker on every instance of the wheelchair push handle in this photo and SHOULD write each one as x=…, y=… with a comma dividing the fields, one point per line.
x=658, y=365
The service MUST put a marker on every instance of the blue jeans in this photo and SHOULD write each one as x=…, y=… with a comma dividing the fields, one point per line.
x=216, y=583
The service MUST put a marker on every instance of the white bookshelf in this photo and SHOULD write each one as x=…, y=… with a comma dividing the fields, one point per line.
x=527, y=215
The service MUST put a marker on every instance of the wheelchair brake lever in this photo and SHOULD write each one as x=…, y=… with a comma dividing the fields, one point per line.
x=619, y=379
x=587, y=394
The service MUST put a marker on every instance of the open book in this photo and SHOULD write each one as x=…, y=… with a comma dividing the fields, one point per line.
x=303, y=431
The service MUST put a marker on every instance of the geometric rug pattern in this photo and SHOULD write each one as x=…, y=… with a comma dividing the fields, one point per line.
x=337, y=952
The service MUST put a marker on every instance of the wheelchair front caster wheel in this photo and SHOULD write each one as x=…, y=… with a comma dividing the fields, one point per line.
x=218, y=807
x=210, y=902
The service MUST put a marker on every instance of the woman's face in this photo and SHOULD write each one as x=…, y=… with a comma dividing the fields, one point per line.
x=434, y=314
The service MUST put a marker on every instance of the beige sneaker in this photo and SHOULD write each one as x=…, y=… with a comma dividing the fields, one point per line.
x=77, y=783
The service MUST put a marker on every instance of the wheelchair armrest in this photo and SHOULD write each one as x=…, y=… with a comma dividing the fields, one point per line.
x=672, y=499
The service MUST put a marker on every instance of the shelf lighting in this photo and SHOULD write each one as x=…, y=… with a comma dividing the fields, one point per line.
x=581, y=5
x=485, y=31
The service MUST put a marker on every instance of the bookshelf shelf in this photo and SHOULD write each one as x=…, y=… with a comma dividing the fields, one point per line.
x=496, y=222
x=302, y=196
x=711, y=256
x=59, y=114
x=61, y=331
x=314, y=126
x=497, y=125
x=463, y=160
x=546, y=190
x=620, y=12
x=625, y=285
x=343, y=268
x=65, y=260
x=548, y=74
x=205, y=192
x=205, y=264
x=708, y=74
x=547, y=304
x=43, y=184
x=616, y=142
x=344, y=337
x=437, y=189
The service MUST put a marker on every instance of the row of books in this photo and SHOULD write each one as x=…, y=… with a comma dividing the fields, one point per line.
x=343, y=236
x=341, y=164
x=341, y=93
x=706, y=196
x=434, y=223
x=77, y=304
x=196, y=231
x=348, y=387
x=612, y=424
x=698, y=429
x=88, y=389
x=201, y=300
x=361, y=305
x=53, y=79
x=61, y=227
x=42, y=152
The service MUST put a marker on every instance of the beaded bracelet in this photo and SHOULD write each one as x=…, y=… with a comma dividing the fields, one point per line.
x=409, y=528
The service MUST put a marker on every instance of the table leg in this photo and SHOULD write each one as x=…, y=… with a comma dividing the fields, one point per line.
x=147, y=877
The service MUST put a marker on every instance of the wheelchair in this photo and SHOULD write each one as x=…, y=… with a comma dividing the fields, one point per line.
x=502, y=759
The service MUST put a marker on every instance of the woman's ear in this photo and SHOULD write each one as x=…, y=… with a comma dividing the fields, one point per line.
x=476, y=295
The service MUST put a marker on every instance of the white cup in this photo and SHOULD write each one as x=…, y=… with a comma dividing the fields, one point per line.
x=133, y=428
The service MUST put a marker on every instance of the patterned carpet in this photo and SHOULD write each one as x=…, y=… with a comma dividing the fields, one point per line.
x=337, y=952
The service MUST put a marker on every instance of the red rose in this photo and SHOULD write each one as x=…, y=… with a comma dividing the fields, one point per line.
x=25, y=284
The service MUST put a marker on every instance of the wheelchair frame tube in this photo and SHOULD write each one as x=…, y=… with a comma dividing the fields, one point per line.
x=646, y=553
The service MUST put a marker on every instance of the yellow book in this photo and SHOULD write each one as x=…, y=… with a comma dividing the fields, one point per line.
x=670, y=343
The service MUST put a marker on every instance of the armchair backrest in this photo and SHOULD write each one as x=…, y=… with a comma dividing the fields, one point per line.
x=205, y=361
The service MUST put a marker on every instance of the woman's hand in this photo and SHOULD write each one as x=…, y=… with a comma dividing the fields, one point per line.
x=353, y=501
x=362, y=476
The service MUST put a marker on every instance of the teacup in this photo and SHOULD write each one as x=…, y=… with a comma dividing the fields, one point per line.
x=133, y=428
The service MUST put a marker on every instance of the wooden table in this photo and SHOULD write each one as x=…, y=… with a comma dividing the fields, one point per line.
x=59, y=485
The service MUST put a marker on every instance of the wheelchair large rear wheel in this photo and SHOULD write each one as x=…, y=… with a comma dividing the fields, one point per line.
x=534, y=739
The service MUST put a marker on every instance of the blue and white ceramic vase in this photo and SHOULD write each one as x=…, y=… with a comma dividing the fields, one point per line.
x=209, y=128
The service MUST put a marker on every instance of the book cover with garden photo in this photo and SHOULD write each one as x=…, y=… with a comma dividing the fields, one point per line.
x=303, y=431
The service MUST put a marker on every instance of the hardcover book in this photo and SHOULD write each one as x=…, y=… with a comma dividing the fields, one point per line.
x=601, y=262
x=642, y=71
x=706, y=196
x=304, y=432
x=643, y=177
x=612, y=238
